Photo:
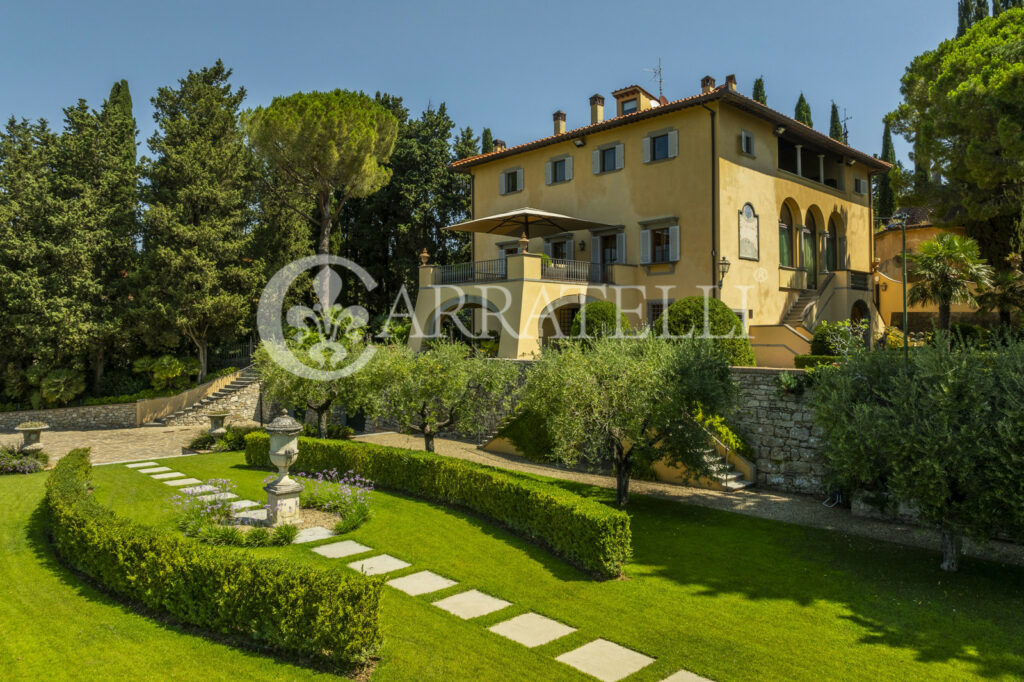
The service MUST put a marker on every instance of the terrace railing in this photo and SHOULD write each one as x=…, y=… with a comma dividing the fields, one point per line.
x=574, y=271
x=477, y=271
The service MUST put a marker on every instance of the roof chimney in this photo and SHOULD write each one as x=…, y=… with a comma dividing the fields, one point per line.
x=499, y=145
x=707, y=84
x=559, y=117
x=730, y=82
x=596, y=109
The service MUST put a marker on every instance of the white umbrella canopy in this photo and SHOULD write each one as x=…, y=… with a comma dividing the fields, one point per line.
x=529, y=221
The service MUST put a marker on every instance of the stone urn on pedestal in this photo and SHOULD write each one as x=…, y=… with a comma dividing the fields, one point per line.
x=217, y=423
x=30, y=435
x=283, y=492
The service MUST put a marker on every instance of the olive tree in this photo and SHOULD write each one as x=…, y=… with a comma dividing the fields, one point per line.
x=629, y=402
x=447, y=387
x=944, y=434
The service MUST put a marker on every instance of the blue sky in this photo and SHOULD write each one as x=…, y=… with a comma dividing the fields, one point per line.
x=505, y=65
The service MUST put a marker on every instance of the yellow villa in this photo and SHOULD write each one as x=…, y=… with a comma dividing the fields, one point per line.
x=713, y=194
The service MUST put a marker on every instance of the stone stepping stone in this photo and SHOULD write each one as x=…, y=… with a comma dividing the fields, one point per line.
x=685, y=676
x=532, y=629
x=196, y=489
x=313, y=534
x=251, y=516
x=423, y=582
x=172, y=474
x=605, y=660
x=218, y=496
x=153, y=470
x=471, y=604
x=139, y=465
x=243, y=504
x=375, y=565
x=337, y=550
x=183, y=481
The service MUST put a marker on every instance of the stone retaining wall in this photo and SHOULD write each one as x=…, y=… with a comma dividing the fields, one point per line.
x=83, y=418
x=781, y=432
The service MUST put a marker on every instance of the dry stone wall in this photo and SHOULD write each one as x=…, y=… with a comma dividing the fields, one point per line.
x=83, y=418
x=781, y=431
x=242, y=405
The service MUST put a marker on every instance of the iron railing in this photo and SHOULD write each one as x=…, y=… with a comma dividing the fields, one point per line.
x=477, y=271
x=575, y=271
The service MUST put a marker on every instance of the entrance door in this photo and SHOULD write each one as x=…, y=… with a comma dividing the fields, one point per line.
x=808, y=257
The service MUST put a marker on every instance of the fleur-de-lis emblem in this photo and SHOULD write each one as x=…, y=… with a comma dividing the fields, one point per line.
x=327, y=324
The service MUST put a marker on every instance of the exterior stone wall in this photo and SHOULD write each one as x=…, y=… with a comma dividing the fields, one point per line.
x=781, y=432
x=83, y=418
x=243, y=405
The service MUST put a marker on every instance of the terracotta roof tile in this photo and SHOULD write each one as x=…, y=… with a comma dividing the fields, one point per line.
x=722, y=92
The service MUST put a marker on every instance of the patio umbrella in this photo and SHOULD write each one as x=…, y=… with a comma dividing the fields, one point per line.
x=531, y=221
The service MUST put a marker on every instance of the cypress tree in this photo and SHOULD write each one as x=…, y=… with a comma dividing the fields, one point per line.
x=835, y=125
x=486, y=141
x=803, y=111
x=885, y=203
x=980, y=10
x=759, y=91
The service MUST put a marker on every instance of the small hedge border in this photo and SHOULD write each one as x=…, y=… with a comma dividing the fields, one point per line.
x=311, y=613
x=811, y=361
x=584, y=532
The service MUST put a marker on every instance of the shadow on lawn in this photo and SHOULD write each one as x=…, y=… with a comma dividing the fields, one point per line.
x=37, y=539
x=897, y=596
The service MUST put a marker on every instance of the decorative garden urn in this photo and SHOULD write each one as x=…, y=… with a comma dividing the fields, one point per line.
x=217, y=423
x=283, y=492
x=30, y=434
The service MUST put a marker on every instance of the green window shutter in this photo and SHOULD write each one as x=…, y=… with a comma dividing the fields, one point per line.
x=620, y=246
x=595, y=249
x=501, y=183
x=568, y=168
x=597, y=161
x=673, y=243
x=547, y=173
x=673, y=144
x=645, y=247
x=620, y=156
x=519, y=180
x=645, y=150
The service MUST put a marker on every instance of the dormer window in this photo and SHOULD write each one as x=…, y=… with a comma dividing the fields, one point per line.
x=629, y=106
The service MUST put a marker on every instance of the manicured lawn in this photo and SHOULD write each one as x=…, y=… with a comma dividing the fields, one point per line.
x=724, y=595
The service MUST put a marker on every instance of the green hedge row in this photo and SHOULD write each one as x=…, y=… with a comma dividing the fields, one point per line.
x=312, y=613
x=584, y=532
x=809, y=361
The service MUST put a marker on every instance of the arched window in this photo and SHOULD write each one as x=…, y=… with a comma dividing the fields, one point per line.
x=785, y=237
x=832, y=246
x=809, y=250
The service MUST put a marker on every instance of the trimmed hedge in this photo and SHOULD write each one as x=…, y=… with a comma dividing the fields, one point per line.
x=809, y=361
x=584, y=532
x=319, y=614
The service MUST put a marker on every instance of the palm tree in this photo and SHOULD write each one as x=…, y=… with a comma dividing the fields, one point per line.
x=945, y=267
x=1006, y=293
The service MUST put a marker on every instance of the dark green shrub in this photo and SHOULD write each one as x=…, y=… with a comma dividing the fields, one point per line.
x=323, y=614
x=838, y=338
x=284, y=534
x=257, y=537
x=598, y=318
x=528, y=432
x=204, y=441
x=808, y=361
x=234, y=438
x=686, y=316
x=334, y=432
x=969, y=335
x=584, y=532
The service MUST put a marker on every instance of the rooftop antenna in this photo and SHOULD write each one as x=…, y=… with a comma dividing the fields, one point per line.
x=846, y=129
x=656, y=75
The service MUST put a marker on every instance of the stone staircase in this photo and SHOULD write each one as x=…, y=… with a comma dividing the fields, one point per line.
x=724, y=473
x=794, y=317
x=246, y=378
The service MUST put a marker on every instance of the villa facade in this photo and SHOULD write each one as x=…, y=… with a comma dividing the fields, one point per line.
x=715, y=193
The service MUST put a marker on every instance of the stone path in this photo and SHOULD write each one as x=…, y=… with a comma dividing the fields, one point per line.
x=600, y=658
x=117, y=445
x=802, y=510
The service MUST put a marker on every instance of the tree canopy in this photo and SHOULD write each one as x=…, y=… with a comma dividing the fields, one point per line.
x=963, y=110
x=802, y=112
x=759, y=94
x=944, y=269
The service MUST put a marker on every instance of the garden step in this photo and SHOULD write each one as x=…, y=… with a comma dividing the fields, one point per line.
x=735, y=485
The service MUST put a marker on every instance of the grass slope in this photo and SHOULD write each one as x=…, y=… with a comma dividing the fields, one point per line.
x=727, y=596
